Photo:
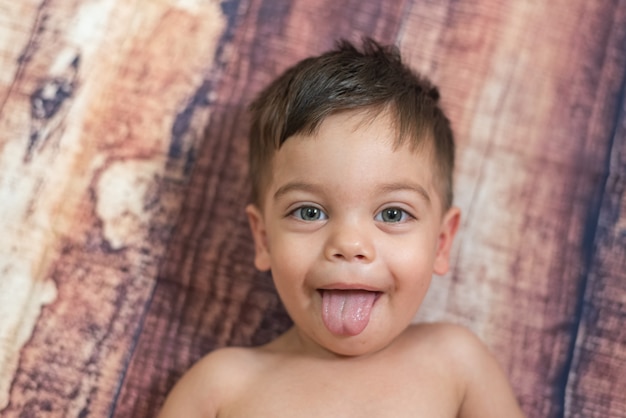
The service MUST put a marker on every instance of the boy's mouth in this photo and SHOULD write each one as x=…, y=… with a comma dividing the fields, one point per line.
x=347, y=312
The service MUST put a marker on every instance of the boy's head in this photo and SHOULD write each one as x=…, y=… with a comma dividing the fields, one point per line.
x=346, y=78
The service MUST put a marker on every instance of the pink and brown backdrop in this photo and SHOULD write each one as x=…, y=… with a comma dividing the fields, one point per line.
x=124, y=250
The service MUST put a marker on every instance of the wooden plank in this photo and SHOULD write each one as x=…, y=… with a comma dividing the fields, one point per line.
x=97, y=131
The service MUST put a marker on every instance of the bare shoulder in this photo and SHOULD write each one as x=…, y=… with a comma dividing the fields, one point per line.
x=483, y=386
x=445, y=341
x=454, y=342
x=439, y=332
x=209, y=383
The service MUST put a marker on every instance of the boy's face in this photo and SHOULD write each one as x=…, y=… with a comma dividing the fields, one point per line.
x=352, y=230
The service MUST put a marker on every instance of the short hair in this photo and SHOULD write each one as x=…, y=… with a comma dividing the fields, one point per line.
x=347, y=78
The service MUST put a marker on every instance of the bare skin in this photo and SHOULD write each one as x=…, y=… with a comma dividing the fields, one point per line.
x=430, y=371
x=352, y=228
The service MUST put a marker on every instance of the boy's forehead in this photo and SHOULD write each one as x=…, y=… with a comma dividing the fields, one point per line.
x=381, y=120
x=375, y=126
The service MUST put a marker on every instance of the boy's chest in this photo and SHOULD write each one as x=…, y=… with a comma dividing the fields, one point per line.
x=339, y=393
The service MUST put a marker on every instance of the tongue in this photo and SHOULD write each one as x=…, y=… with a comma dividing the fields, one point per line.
x=347, y=312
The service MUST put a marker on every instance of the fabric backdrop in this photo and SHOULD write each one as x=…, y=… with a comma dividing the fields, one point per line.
x=124, y=250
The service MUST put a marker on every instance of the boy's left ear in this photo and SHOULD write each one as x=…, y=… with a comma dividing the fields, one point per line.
x=449, y=227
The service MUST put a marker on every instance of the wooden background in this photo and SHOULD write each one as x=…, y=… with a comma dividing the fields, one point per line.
x=124, y=250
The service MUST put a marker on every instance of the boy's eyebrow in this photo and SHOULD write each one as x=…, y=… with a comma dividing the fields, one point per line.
x=296, y=185
x=409, y=186
x=384, y=188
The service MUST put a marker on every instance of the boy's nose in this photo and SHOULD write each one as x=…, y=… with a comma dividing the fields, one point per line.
x=350, y=243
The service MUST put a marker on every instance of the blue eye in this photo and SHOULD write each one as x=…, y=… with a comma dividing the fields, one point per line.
x=309, y=213
x=392, y=215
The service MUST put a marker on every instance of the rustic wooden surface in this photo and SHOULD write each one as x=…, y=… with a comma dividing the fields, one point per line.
x=125, y=254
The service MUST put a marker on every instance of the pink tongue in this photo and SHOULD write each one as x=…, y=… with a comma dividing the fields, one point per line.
x=347, y=312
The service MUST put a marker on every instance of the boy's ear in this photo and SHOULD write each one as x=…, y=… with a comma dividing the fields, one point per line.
x=449, y=227
x=257, y=226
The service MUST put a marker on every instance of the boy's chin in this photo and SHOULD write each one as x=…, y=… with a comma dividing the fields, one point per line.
x=354, y=346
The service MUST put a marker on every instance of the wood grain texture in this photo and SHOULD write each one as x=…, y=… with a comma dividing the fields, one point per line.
x=94, y=162
x=125, y=253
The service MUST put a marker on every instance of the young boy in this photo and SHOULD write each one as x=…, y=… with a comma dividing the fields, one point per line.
x=351, y=163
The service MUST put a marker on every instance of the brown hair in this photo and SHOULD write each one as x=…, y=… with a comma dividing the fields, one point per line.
x=348, y=79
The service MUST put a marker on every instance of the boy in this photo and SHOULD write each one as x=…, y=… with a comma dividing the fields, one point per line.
x=351, y=163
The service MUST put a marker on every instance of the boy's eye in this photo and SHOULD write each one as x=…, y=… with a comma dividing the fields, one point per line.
x=309, y=213
x=392, y=215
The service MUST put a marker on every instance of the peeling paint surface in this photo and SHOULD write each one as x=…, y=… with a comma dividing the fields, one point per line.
x=124, y=194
